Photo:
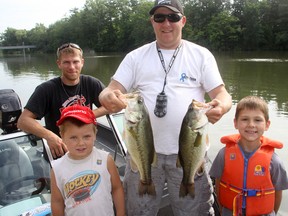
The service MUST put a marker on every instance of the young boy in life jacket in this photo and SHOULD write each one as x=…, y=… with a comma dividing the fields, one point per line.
x=85, y=181
x=249, y=175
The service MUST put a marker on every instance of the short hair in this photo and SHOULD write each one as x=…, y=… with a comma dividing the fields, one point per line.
x=252, y=103
x=69, y=48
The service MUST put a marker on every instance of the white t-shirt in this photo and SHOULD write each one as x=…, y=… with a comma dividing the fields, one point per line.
x=85, y=184
x=193, y=73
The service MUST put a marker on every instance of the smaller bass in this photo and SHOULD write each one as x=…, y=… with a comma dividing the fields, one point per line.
x=193, y=141
x=138, y=138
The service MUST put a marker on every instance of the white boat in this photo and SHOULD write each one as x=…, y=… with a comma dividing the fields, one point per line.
x=25, y=173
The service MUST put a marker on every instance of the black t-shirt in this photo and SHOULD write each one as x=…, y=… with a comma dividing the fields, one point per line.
x=50, y=97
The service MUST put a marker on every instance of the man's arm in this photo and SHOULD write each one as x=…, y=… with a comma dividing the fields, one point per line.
x=221, y=102
x=28, y=123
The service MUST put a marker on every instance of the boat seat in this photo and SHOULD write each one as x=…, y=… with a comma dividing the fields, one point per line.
x=14, y=162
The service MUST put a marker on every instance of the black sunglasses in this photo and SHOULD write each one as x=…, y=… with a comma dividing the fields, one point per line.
x=159, y=18
x=64, y=46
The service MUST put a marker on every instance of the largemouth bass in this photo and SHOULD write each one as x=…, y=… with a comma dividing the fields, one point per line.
x=139, y=141
x=193, y=141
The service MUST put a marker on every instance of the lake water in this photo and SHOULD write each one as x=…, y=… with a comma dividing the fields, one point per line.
x=264, y=74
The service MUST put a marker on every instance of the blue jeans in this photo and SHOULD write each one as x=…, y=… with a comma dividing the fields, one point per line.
x=166, y=171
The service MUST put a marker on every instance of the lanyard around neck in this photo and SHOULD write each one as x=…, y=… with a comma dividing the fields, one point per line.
x=170, y=63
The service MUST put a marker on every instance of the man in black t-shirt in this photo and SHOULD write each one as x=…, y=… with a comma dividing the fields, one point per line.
x=50, y=97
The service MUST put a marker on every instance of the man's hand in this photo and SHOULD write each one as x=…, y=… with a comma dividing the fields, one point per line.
x=220, y=101
x=28, y=123
x=112, y=97
x=57, y=147
x=216, y=112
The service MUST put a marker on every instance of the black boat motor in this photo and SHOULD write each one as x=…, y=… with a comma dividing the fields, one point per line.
x=10, y=110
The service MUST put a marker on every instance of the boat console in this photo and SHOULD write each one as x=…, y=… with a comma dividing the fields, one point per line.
x=10, y=110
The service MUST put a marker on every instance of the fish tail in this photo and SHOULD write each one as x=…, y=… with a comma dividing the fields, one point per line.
x=146, y=188
x=186, y=189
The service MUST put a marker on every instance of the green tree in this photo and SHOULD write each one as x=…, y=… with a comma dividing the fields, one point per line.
x=199, y=14
x=13, y=37
x=123, y=25
x=135, y=28
x=38, y=36
x=281, y=23
x=223, y=31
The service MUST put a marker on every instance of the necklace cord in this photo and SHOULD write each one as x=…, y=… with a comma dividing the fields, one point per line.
x=77, y=90
x=170, y=63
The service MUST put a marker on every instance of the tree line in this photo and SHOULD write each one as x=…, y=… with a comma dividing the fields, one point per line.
x=123, y=25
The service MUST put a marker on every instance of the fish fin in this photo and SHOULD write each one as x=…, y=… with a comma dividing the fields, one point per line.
x=201, y=169
x=155, y=160
x=186, y=189
x=191, y=190
x=133, y=165
x=146, y=188
x=198, y=140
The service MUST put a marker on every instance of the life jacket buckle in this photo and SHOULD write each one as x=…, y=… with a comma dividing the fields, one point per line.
x=250, y=193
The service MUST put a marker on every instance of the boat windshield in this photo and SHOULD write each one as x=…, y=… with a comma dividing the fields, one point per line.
x=25, y=175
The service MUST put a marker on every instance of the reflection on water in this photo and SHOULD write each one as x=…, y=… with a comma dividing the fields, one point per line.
x=264, y=77
x=261, y=60
x=102, y=66
x=262, y=74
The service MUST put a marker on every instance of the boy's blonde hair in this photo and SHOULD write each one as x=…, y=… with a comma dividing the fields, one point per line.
x=252, y=103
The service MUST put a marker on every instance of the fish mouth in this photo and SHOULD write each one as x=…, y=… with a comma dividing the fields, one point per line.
x=132, y=95
x=201, y=107
x=133, y=98
x=131, y=122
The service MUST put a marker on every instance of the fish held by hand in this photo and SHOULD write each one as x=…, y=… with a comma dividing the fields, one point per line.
x=138, y=137
x=193, y=142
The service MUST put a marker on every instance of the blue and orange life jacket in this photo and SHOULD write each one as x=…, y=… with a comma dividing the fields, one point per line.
x=246, y=182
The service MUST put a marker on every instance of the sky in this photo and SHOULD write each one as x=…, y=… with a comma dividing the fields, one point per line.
x=25, y=14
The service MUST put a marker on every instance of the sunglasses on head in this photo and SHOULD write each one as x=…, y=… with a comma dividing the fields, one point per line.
x=159, y=18
x=64, y=46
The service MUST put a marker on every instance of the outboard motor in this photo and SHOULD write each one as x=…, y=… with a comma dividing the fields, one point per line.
x=10, y=110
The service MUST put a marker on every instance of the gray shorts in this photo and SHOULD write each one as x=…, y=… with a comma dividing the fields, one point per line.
x=166, y=171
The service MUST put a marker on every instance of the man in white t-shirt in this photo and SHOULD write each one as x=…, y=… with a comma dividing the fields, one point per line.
x=169, y=73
